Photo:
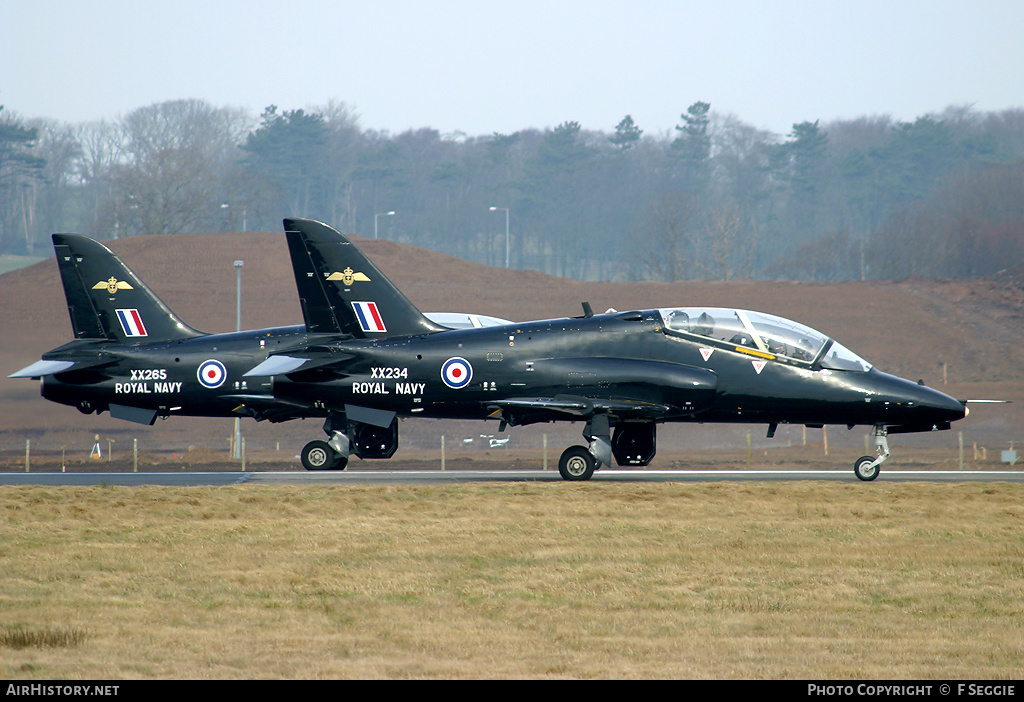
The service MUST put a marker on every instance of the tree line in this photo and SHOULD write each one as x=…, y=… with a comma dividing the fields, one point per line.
x=864, y=198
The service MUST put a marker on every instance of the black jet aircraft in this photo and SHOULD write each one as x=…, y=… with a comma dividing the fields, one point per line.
x=376, y=358
x=132, y=356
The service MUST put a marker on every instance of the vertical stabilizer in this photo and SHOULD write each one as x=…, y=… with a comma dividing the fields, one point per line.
x=316, y=307
x=342, y=291
x=106, y=300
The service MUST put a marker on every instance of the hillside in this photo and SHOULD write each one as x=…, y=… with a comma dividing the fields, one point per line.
x=912, y=328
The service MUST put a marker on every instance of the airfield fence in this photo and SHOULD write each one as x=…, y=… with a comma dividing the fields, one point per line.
x=104, y=456
x=97, y=453
x=134, y=454
x=33, y=455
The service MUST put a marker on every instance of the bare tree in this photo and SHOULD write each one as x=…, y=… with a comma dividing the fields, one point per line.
x=728, y=245
x=172, y=177
x=102, y=148
x=667, y=238
x=20, y=171
x=52, y=195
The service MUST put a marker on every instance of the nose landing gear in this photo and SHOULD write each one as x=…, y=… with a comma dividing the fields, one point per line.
x=866, y=467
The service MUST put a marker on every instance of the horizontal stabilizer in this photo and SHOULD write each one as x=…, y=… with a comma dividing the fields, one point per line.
x=62, y=365
x=282, y=364
x=41, y=368
x=276, y=365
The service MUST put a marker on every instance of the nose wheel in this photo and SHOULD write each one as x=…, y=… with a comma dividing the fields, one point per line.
x=866, y=468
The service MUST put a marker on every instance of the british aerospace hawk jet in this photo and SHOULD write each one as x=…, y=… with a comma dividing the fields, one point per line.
x=370, y=357
x=133, y=357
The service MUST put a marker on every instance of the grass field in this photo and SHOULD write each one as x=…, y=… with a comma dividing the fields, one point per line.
x=525, y=580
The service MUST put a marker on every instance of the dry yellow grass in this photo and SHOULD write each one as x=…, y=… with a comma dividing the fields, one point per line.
x=743, y=580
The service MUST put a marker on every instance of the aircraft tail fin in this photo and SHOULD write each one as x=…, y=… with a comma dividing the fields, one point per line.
x=106, y=300
x=341, y=291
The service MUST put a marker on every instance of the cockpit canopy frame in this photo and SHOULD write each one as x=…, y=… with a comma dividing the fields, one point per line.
x=772, y=337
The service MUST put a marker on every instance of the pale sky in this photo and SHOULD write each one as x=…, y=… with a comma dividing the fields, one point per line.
x=479, y=66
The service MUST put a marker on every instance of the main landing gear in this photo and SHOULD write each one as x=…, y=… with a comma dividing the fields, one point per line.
x=867, y=467
x=372, y=435
x=318, y=455
x=331, y=454
x=632, y=445
x=577, y=463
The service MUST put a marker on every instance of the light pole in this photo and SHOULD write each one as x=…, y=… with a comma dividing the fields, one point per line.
x=382, y=214
x=506, y=231
x=238, y=295
x=244, y=223
x=238, y=328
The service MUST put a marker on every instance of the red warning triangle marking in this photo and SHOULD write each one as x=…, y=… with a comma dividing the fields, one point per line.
x=759, y=366
x=706, y=353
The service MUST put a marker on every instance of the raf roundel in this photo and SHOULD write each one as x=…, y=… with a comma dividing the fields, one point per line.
x=212, y=374
x=456, y=373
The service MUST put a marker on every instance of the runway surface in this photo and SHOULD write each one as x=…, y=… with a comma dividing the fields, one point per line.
x=385, y=477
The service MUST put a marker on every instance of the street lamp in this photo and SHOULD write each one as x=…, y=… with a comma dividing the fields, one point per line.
x=506, y=231
x=238, y=295
x=244, y=224
x=238, y=328
x=382, y=214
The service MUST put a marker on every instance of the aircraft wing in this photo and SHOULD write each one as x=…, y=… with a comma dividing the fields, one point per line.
x=264, y=407
x=581, y=406
x=641, y=390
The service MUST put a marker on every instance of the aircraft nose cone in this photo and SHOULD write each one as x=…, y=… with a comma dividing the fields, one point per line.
x=956, y=408
x=940, y=406
x=910, y=404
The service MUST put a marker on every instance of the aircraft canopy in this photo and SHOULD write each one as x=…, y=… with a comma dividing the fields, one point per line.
x=763, y=332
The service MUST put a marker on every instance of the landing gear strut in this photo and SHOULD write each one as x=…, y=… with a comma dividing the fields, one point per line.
x=365, y=432
x=866, y=467
x=578, y=462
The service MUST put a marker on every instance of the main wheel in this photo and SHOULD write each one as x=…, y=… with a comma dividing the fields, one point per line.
x=863, y=468
x=577, y=463
x=318, y=455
